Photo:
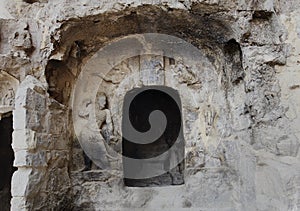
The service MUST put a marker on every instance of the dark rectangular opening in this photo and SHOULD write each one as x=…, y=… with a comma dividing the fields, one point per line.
x=141, y=102
x=6, y=161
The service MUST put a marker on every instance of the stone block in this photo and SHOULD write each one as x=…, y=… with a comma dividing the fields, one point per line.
x=268, y=54
x=28, y=119
x=21, y=98
x=30, y=99
x=35, y=120
x=24, y=139
x=152, y=72
x=24, y=158
x=19, y=119
x=18, y=203
x=57, y=122
x=35, y=101
x=32, y=83
x=20, y=181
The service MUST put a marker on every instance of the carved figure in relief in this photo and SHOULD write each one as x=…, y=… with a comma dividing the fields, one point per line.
x=103, y=117
x=96, y=133
x=209, y=116
x=93, y=142
x=8, y=99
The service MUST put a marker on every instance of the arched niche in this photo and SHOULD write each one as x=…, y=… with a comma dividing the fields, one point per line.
x=117, y=69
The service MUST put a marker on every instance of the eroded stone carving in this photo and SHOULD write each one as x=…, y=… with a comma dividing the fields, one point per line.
x=183, y=73
x=103, y=117
x=209, y=116
x=151, y=70
x=97, y=133
x=22, y=38
x=93, y=145
x=22, y=42
x=8, y=86
x=8, y=99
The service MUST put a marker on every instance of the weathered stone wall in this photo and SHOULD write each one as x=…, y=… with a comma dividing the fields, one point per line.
x=241, y=129
x=42, y=149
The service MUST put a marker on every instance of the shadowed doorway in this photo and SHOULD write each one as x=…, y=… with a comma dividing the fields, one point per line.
x=141, y=103
x=6, y=161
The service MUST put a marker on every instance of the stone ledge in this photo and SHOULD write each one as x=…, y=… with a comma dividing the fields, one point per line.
x=95, y=175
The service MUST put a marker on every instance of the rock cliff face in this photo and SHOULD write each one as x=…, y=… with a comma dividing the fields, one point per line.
x=239, y=88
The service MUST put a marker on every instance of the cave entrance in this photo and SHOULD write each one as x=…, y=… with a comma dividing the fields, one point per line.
x=139, y=103
x=6, y=161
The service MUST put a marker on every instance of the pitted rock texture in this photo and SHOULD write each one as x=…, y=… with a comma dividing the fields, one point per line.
x=241, y=127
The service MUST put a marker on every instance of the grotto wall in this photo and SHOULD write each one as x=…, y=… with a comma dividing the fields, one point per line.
x=240, y=106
